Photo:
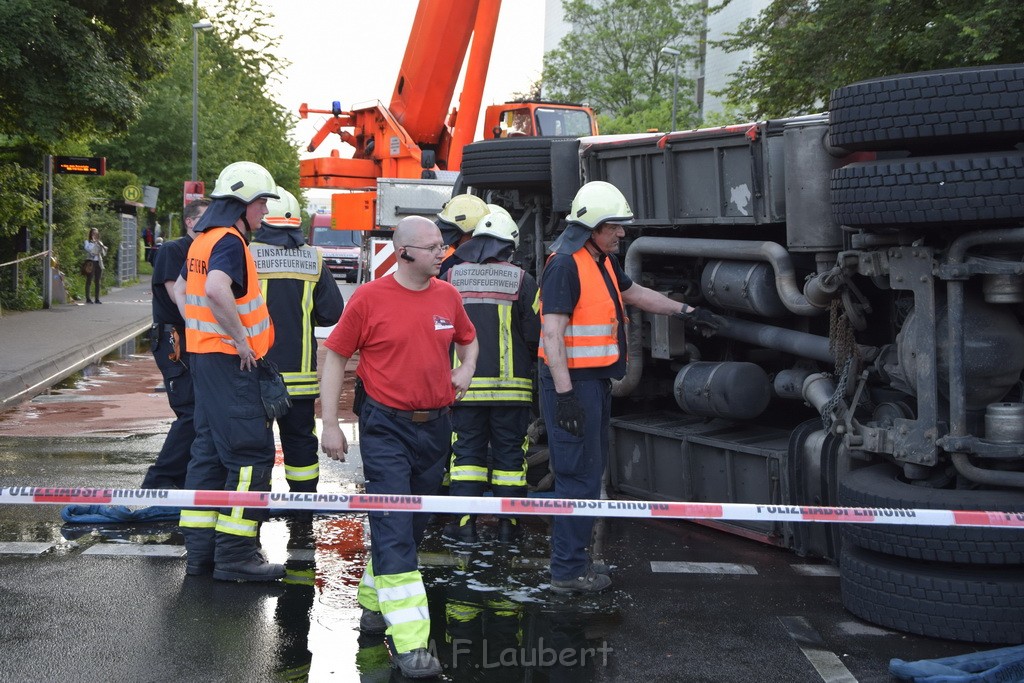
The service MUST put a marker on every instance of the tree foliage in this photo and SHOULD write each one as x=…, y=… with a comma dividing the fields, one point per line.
x=805, y=48
x=612, y=59
x=70, y=69
x=237, y=118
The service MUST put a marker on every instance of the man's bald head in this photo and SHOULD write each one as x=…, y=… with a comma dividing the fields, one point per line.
x=416, y=230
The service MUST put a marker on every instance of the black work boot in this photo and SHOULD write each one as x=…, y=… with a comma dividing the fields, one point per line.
x=591, y=582
x=464, y=530
x=372, y=623
x=239, y=558
x=417, y=663
x=508, y=530
x=256, y=568
x=199, y=549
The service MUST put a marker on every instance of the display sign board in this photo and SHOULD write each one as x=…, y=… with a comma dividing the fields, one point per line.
x=80, y=165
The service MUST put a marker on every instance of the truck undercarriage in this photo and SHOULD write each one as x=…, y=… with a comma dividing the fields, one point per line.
x=867, y=269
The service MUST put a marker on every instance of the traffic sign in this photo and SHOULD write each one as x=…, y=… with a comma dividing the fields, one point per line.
x=132, y=193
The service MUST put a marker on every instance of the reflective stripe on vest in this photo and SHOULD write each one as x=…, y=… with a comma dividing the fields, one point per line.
x=203, y=334
x=592, y=336
x=496, y=285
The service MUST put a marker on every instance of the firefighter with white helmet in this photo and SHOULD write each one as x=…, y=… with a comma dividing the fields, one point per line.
x=228, y=331
x=492, y=418
x=301, y=295
x=457, y=219
x=583, y=295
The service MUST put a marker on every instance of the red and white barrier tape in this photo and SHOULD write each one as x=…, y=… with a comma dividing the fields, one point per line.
x=364, y=502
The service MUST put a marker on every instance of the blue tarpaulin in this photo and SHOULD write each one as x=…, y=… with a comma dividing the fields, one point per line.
x=1005, y=665
x=116, y=514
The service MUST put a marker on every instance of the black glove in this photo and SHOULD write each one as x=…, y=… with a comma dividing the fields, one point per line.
x=569, y=413
x=701, y=320
x=274, y=393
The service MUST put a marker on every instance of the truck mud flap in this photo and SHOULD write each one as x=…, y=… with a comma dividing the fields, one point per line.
x=940, y=601
x=879, y=486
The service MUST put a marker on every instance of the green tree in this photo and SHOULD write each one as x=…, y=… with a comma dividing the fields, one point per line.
x=70, y=69
x=805, y=48
x=612, y=60
x=238, y=120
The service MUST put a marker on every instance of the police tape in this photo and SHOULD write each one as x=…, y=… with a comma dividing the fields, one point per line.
x=367, y=502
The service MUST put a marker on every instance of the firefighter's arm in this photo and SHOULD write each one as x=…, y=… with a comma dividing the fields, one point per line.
x=553, y=331
x=179, y=295
x=463, y=375
x=332, y=440
x=222, y=305
x=170, y=287
x=648, y=300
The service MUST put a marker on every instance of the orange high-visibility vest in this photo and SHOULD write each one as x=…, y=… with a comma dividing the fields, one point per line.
x=592, y=336
x=203, y=334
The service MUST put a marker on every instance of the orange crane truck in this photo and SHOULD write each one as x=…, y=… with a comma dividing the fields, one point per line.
x=416, y=136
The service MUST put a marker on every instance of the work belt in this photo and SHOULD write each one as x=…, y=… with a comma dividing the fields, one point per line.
x=411, y=415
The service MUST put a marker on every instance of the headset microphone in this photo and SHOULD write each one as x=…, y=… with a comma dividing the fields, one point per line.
x=405, y=255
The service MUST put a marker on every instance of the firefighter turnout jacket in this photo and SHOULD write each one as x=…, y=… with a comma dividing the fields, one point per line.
x=300, y=294
x=502, y=301
x=203, y=334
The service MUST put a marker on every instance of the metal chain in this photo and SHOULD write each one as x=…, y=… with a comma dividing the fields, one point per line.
x=843, y=345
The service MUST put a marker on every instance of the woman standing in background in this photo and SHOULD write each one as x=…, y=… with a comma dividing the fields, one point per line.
x=95, y=250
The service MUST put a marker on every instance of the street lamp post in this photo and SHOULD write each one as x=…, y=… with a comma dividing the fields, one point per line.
x=675, y=78
x=196, y=28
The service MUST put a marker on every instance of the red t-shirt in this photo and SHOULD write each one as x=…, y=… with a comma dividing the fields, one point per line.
x=404, y=339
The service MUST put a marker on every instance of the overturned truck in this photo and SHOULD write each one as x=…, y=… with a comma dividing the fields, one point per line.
x=868, y=268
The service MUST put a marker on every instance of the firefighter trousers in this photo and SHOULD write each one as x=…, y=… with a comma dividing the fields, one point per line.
x=299, y=445
x=400, y=458
x=233, y=451
x=168, y=471
x=499, y=431
x=578, y=463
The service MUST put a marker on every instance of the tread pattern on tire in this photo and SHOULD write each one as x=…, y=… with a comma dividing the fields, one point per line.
x=907, y=111
x=877, y=486
x=973, y=605
x=507, y=162
x=960, y=188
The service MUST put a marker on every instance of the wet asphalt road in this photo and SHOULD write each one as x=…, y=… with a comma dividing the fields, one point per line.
x=112, y=603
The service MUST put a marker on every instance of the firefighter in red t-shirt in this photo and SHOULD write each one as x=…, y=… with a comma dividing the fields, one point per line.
x=403, y=327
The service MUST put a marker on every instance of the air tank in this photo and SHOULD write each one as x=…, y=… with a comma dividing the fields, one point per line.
x=735, y=391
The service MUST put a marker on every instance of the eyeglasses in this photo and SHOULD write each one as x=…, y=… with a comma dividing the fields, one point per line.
x=433, y=248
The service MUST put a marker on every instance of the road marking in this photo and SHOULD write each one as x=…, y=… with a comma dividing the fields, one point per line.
x=24, y=548
x=816, y=569
x=825, y=662
x=135, y=550
x=701, y=568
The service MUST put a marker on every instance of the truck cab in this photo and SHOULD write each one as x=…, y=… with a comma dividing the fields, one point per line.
x=341, y=248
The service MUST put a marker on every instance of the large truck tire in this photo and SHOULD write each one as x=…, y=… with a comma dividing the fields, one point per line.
x=930, y=191
x=954, y=603
x=879, y=486
x=979, y=105
x=507, y=162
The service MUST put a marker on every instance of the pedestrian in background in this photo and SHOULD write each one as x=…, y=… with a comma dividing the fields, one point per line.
x=167, y=342
x=491, y=420
x=95, y=250
x=403, y=326
x=301, y=295
x=583, y=344
x=228, y=332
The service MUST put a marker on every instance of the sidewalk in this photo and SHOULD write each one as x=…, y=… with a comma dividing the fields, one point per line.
x=40, y=348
